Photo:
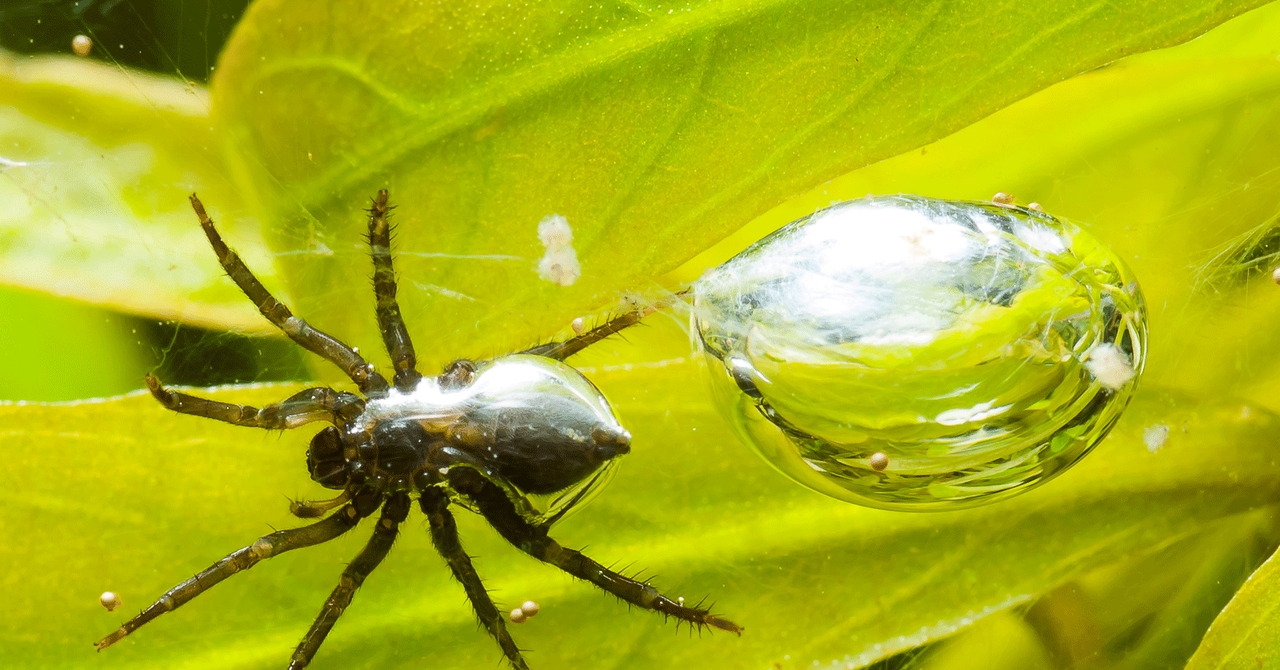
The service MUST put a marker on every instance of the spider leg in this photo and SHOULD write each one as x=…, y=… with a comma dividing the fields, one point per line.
x=444, y=535
x=311, y=339
x=501, y=513
x=394, y=333
x=384, y=535
x=314, y=404
x=571, y=346
x=310, y=509
x=270, y=545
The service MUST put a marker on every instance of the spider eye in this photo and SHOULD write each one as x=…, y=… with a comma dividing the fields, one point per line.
x=910, y=353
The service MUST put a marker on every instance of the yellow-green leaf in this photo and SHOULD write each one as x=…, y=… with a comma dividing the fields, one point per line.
x=1247, y=633
x=96, y=163
x=125, y=496
x=1166, y=158
x=653, y=128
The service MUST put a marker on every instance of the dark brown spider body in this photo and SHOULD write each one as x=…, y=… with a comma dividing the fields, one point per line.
x=484, y=435
x=530, y=421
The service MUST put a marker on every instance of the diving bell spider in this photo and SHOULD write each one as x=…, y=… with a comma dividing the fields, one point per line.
x=486, y=433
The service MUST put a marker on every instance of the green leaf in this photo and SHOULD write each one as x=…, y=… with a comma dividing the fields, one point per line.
x=120, y=495
x=95, y=166
x=654, y=128
x=1148, y=611
x=1165, y=158
x=1247, y=633
x=1002, y=640
x=1207, y=573
x=59, y=350
x=146, y=498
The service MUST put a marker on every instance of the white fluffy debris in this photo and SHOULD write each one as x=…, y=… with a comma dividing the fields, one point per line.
x=1109, y=366
x=559, y=264
x=1155, y=436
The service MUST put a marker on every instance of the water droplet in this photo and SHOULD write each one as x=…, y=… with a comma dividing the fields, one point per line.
x=980, y=349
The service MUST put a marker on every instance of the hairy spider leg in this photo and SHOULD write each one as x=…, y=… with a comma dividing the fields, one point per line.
x=394, y=512
x=444, y=535
x=311, y=339
x=269, y=545
x=501, y=513
x=313, y=404
x=573, y=345
x=394, y=333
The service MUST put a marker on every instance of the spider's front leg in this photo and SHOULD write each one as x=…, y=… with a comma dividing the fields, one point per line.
x=313, y=404
x=502, y=514
x=312, y=339
x=444, y=535
x=395, y=335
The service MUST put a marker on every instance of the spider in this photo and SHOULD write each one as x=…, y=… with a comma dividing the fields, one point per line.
x=481, y=434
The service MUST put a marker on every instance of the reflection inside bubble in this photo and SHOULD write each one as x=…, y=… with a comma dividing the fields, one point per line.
x=980, y=348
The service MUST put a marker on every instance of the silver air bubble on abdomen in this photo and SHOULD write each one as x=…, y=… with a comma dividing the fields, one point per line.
x=909, y=353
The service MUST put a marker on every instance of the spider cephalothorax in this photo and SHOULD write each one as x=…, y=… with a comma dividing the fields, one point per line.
x=486, y=434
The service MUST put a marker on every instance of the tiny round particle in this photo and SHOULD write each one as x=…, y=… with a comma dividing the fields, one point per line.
x=518, y=616
x=879, y=461
x=109, y=600
x=1002, y=198
x=81, y=45
x=1275, y=275
x=530, y=608
x=1036, y=206
x=578, y=327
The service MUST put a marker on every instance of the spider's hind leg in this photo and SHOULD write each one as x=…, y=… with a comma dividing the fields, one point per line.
x=444, y=535
x=394, y=512
x=313, y=404
x=270, y=545
x=394, y=333
x=501, y=513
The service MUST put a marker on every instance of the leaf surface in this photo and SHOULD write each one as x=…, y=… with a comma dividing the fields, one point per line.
x=153, y=497
x=1168, y=159
x=96, y=163
x=1245, y=634
x=120, y=495
x=653, y=128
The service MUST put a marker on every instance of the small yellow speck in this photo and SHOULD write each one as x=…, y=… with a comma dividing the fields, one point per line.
x=81, y=45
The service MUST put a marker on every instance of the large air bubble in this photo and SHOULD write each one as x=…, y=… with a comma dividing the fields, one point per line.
x=918, y=354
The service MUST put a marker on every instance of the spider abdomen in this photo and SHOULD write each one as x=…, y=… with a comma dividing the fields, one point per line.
x=543, y=443
x=528, y=420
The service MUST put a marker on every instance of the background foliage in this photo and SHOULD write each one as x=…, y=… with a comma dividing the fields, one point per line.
x=657, y=130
